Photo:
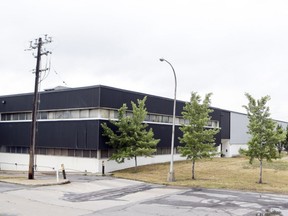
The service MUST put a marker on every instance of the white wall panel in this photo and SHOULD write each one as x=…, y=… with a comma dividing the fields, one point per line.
x=75, y=164
x=238, y=128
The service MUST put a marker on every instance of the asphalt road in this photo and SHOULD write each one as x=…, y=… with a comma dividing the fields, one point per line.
x=103, y=196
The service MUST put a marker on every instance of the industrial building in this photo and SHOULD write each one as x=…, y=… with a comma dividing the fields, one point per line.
x=69, y=128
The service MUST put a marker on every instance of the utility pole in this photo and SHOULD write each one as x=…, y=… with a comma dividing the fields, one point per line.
x=37, y=45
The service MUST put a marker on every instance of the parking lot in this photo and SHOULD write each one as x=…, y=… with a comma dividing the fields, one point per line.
x=96, y=195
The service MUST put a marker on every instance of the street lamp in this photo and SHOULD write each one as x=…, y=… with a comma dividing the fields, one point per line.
x=171, y=175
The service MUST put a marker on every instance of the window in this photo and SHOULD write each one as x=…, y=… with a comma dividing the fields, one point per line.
x=86, y=153
x=25, y=150
x=84, y=113
x=64, y=152
x=111, y=152
x=209, y=123
x=9, y=117
x=116, y=114
x=15, y=116
x=18, y=150
x=71, y=152
x=13, y=149
x=78, y=153
x=41, y=151
x=22, y=116
x=104, y=153
x=181, y=121
x=50, y=151
x=165, y=119
x=94, y=113
x=113, y=114
x=130, y=114
x=93, y=154
x=4, y=117
x=28, y=116
x=161, y=151
x=177, y=120
x=213, y=123
x=159, y=118
x=75, y=113
x=152, y=118
x=147, y=117
x=57, y=152
x=66, y=114
x=104, y=113
x=158, y=151
x=43, y=115
x=58, y=115
x=51, y=115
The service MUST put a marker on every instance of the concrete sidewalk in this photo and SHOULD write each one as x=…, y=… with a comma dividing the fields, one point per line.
x=40, y=178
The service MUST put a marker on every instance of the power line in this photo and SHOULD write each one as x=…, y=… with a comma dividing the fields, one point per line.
x=59, y=77
x=47, y=71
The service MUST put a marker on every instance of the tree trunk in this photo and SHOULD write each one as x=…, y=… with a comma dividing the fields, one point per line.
x=260, y=178
x=135, y=158
x=193, y=169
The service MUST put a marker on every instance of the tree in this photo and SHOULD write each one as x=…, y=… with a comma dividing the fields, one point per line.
x=199, y=142
x=281, y=135
x=286, y=140
x=263, y=132
x=131, y=139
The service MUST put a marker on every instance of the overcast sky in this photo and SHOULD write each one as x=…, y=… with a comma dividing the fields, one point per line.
x=224, y=47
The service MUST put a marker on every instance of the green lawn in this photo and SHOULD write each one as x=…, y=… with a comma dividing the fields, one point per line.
x=225, y=173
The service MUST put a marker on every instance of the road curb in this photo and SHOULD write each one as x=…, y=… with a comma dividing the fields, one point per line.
x=34, y=182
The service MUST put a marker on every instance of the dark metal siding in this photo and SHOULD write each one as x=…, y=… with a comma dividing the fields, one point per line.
x=75, y=134
x=52, y=134
x=59, y=99
x=15, y=134
x=66, y=99
x=225, y=124
x=114, y=98
x=164, y=133
x=16, y=103
x=161, y=131
x=69, y=134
